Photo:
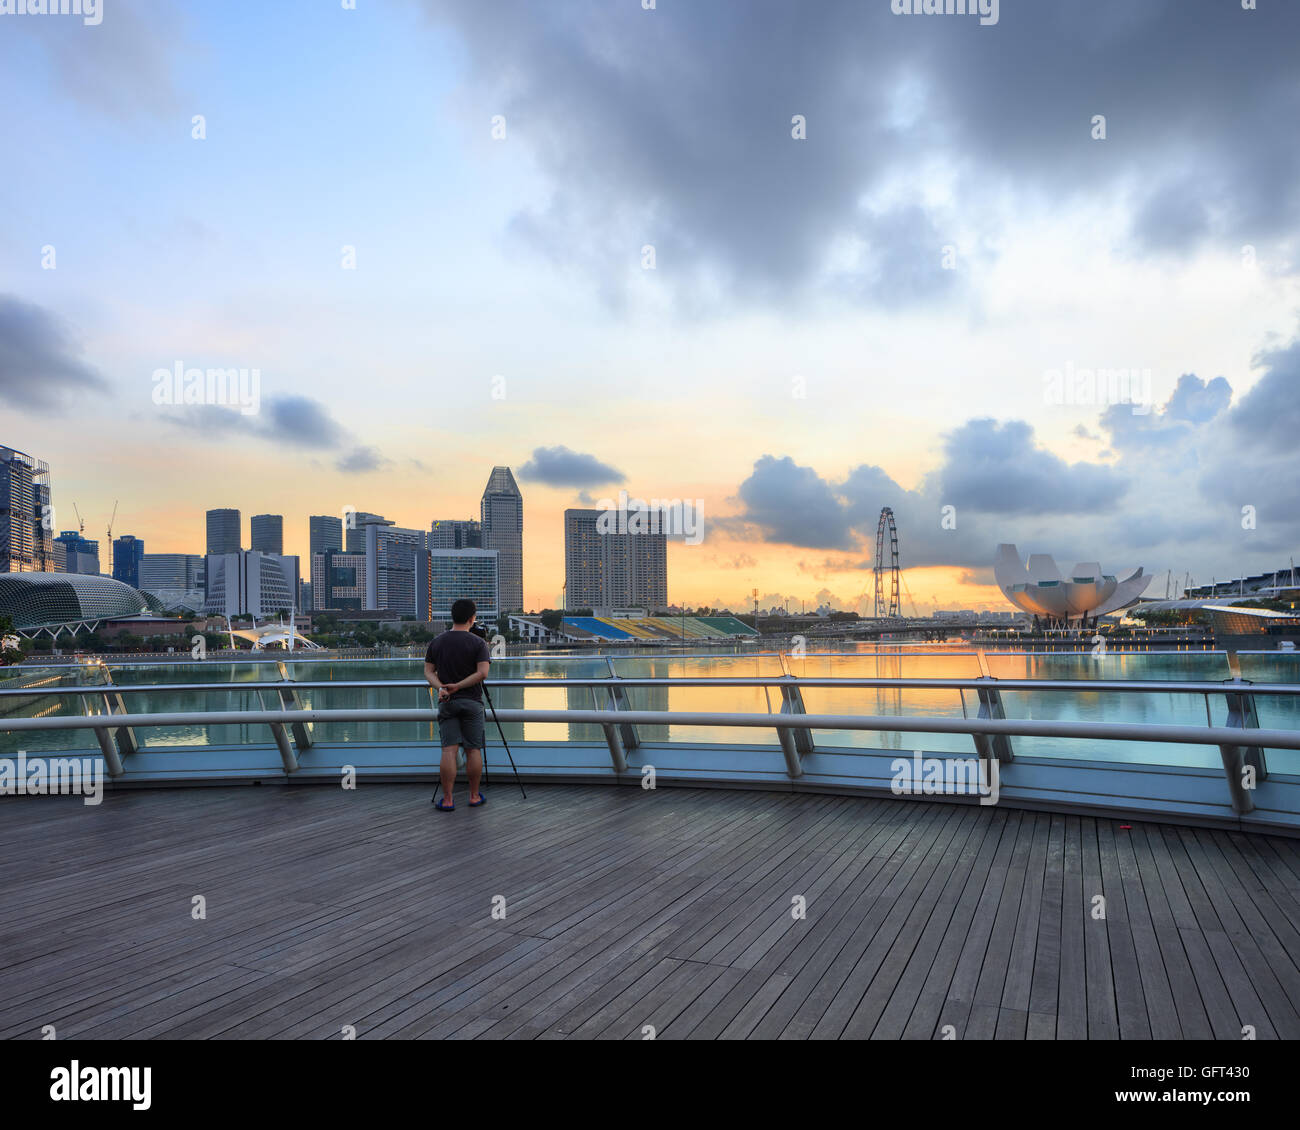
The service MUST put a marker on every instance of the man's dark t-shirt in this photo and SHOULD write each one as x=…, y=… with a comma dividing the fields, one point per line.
x=456, y=656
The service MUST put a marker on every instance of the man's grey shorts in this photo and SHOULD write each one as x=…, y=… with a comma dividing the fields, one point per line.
x=460, y=722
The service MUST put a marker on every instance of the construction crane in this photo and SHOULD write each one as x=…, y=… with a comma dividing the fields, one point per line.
x=81, y=522
x=110, y=537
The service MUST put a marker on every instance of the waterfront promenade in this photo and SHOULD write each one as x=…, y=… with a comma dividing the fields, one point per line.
x=626, y=910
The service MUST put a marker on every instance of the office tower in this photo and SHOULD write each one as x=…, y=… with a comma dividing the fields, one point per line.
x=390, y=566
x=250, y=583
x=26, y=517
x=304, y=596
x=80, y=554
x=223, y=532
x=455, y=533
x=338, y=580
x=128, y=552
x=446, y=575
x=502, y=514
x=354, y=530
x=324, y=532
x=608, y=566
x=266, y=533
x=176, y=579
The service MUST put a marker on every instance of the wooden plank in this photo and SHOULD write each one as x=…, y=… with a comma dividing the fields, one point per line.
x=626, y=909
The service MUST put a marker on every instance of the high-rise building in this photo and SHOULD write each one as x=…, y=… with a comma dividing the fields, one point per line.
x=338, y=580
x=502, y=515
x=176, y=579
x=324, y=532
x=613, y=567
x=390, y=566
x=266, y=533
x=354, y=530
x=128, y=552
x=250, y=583
x=455, y=533
x=223, y=532
x=26, y=516
x=80, y=554
x=447, y=575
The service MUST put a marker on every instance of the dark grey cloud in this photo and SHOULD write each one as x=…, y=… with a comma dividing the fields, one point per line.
x=672, y=127
x=794, y=505
x=1269, y=413
x=560, y=467
x=40, y=364
x=996, y=468
x=298, y=421
x=302, y=421
x=361, y=459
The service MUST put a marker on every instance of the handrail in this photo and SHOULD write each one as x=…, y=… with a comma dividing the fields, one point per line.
x=1145, y=686
x=1023, y=727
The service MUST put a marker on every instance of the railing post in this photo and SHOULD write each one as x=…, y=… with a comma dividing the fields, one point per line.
x=1242, y=715
x=113, y=704
x=289, y=700
x=792, y=703
x=109, y=750
x=992, y=745
x=629, y=738
x=287, y=757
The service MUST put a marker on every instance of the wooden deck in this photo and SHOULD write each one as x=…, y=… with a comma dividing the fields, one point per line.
x=626, y=908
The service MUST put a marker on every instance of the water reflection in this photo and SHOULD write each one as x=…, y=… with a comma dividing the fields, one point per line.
x=860, y=661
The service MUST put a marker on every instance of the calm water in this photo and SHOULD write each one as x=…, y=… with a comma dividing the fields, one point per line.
x=860, y=661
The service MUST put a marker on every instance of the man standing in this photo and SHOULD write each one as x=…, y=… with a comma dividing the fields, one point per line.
x=456, y=664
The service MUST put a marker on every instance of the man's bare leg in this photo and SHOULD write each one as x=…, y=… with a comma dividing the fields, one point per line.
x=447, y=772
x=474, y=768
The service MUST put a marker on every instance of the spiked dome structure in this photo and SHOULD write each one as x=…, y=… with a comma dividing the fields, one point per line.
x=1040, y=589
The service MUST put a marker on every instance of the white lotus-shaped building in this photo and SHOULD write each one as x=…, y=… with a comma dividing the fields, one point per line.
x=1040, y=589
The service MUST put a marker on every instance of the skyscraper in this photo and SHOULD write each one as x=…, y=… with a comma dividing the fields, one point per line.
x=26, y=518
x=324, y=532
x=354, y=530
x=266, y=533
x=81, y=555
x=614, y=567
x=338, y=580
x=502, y=513
x=390, y=566
x=128, y=551
x=455, y=533
x=176, y=579
x=444, y=576
x=223, y=532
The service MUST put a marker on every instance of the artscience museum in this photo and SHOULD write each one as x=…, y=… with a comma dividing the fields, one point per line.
x=1061, y=601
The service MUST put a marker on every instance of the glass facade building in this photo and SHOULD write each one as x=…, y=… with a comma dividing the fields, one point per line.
x=449, y=574
x=266, y=533
x=26, y=516
x=502, y=514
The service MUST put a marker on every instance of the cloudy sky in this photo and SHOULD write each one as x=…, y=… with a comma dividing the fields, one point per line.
x=794, y=261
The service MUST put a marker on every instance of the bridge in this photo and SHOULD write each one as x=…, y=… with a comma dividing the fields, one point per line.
x=777, y=886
